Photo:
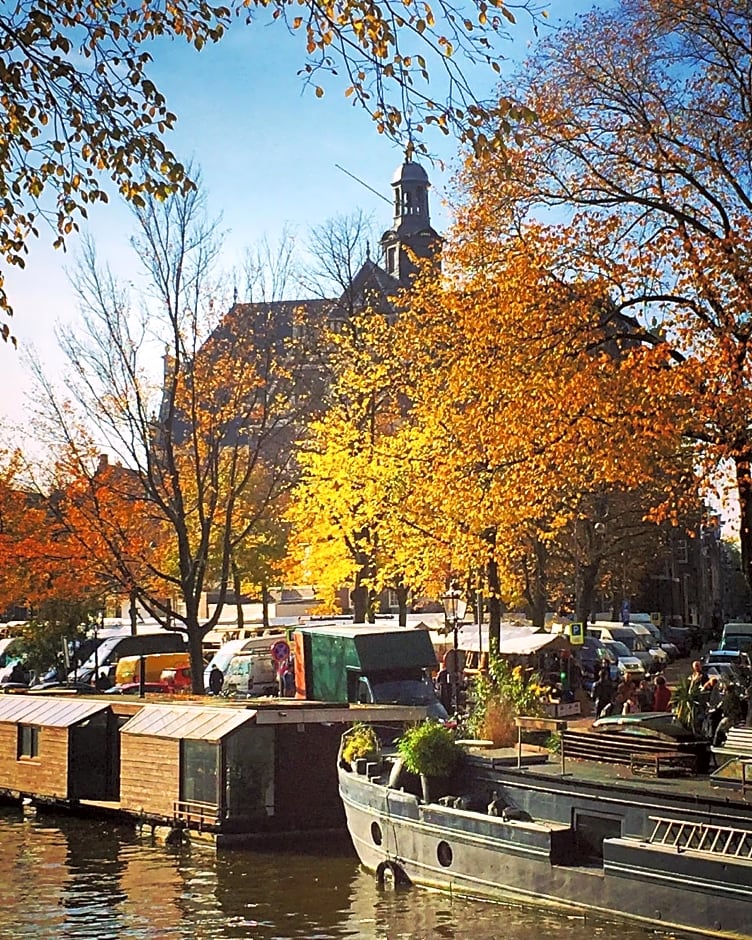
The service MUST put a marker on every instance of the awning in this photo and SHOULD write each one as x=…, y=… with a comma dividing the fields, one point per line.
x=534, y=643
x=195, y=723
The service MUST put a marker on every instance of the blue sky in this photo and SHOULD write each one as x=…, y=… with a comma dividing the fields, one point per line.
x=267, y=149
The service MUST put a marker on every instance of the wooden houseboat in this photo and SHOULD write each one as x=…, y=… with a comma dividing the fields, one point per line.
x=237, y=771
x=58, y=749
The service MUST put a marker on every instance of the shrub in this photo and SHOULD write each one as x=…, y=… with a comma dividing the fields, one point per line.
x=429, y=749
x=499, y=696
x=360, y=741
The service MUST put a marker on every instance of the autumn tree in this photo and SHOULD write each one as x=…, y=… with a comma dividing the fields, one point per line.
x=347, y=511
x=78, y=105
x=523, y=406
x=642, y=145
x=205, y=435
x=42, y=568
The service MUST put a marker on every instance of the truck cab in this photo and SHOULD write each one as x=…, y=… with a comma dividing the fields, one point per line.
x=377, y=690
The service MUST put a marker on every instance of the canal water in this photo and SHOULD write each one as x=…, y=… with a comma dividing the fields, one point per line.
x=62, y=877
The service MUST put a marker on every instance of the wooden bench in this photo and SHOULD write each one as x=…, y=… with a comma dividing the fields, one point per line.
x=662, y=763
x=738, y=743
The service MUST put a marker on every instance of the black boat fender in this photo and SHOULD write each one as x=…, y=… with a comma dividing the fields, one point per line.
x=391, y=875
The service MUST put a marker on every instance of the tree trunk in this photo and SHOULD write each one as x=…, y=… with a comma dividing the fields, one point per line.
x=238, y=599
x=586, y=591
x=402, y=592
x=359, y=600
x=743, y=464
x=535, y=566
x=196, y=652
x=494, y=605
x=133, y=612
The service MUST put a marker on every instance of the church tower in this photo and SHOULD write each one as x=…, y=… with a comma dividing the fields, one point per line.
x=411, y=226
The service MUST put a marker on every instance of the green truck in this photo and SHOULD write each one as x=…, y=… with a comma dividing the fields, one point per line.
x=369, y=664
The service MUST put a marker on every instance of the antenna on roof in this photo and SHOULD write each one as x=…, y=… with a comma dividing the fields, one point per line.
x=357, y=180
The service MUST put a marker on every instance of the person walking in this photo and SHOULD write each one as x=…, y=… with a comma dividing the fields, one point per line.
x=603, y=692
x=662, y=695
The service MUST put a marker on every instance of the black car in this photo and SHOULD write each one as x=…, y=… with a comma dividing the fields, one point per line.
x=591, y=655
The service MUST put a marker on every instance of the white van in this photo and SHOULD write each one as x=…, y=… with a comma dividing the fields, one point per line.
x=251, y=673
x=626, y=635
x=261, y=644
x=660, y=656
x=737, y=636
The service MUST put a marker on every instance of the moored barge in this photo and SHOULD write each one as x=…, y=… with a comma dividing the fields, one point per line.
x=671, y=851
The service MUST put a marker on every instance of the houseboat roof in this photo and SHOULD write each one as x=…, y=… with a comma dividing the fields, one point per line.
x=197, y=723
x=50, y=712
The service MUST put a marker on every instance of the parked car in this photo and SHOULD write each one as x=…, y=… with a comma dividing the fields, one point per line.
x=630, y=667
x=670, y=649
x=681, y=637
x=636, y=645
x=736, y=658
x=590, y=656
x=737, y=636
x=114, y=648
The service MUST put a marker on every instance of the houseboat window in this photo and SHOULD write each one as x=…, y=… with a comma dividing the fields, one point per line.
x=249, y=772
x=376, y=833
x=28, y=741
x=199, y=772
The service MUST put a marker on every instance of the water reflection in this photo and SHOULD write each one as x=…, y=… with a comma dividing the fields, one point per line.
x=68, y=878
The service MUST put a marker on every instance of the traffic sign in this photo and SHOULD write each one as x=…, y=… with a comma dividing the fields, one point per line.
x=280, y=651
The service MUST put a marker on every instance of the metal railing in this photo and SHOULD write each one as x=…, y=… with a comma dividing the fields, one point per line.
x=701, y=837
x=195, y=814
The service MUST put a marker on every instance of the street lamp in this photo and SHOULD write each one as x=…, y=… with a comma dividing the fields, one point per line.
x=454, y=605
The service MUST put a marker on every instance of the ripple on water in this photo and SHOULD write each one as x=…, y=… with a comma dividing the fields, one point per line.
x=71, y=879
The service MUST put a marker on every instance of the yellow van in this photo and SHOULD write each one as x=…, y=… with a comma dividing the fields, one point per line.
x=129, y=667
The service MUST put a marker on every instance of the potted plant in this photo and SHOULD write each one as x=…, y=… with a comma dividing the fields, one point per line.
x=429, y=749
x=360, y=743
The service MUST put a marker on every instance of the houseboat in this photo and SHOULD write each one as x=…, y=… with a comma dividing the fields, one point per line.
x=643, y=837
x=231, y=771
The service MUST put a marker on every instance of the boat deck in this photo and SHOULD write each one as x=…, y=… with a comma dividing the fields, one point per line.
x=538, y=763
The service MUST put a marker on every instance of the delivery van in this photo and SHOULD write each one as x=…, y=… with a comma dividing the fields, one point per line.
x=251, y=673
x=128, y=668
x=737, y=636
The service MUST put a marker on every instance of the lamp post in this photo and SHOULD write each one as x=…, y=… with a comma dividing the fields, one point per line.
x=454, y=606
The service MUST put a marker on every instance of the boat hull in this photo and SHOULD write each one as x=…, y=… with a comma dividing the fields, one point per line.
x=397, y=835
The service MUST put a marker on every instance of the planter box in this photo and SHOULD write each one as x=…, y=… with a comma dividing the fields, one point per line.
x=563, y=709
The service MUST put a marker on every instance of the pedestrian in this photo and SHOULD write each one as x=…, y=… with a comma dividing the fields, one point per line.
x=17, y=674
x=603, y=692
x=632, y=704
x=662, y=695
x=103, y=682
x=216, y=680
x=645, y=696
x=698, y=677
x=623, y=692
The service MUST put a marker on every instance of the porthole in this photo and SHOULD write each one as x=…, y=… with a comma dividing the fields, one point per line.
x=444, y=854
x=376, y=833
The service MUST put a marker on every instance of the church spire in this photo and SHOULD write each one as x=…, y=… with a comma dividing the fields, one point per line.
x=411, y=230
